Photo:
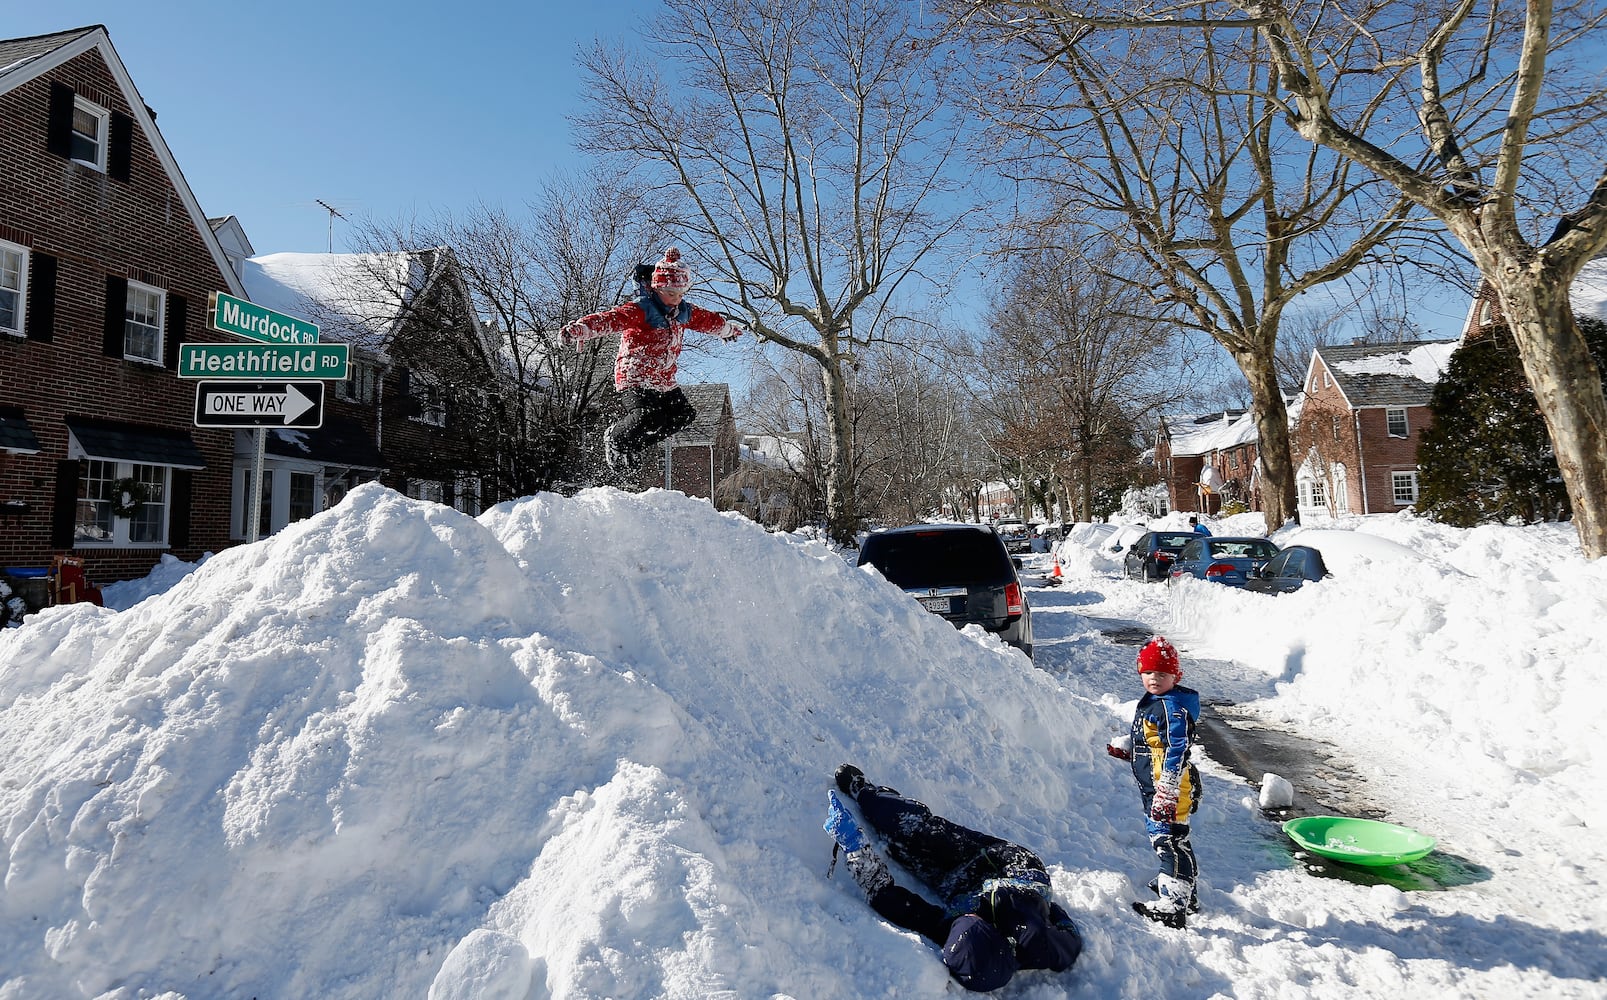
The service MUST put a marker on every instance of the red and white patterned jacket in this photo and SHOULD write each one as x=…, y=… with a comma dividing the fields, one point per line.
x=650, y=339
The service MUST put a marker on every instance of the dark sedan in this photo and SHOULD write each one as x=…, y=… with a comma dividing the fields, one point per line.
x=1289, y=570
x=1226, y=560
x=1151, y=557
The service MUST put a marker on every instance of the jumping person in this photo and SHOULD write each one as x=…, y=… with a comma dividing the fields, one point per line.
x=651, y=331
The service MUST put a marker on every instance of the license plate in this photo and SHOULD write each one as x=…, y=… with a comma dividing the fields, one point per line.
x=938, y=604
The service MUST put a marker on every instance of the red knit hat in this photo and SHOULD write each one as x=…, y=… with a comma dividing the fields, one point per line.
x=1159, y=657
x=672, y=272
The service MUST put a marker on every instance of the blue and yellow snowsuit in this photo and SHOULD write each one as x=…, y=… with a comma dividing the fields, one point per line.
x=1163, y=738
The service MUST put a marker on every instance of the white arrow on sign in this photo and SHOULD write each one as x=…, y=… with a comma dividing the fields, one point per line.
x=288, y=404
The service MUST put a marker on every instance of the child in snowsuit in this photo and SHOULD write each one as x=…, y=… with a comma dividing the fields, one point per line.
x=651, y=331
x=997, y=915
x=1159, y=746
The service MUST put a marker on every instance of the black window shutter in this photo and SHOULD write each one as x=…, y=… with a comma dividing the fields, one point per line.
x=41, y=296
x=120, y=151
x=178, y=310
x=65, y=516
x=116, y=313
x=59, y=133
x=178, y=511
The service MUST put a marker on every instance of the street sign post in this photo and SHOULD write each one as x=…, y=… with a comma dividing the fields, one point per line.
x=263, y=361
x=227, y=314
x=259, y=404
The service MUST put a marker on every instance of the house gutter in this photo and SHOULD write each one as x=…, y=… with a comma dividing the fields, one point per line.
x=1361, y=461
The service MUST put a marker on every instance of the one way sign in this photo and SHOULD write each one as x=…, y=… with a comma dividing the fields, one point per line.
x=259, y=404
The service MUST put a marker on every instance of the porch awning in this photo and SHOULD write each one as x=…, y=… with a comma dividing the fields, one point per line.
x=111, y=441
x=340, y=441
x=15, y=434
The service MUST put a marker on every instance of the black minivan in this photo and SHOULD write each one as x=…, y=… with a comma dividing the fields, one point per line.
x=959, y=571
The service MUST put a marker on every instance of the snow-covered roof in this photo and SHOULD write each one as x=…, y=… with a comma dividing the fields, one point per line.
x=1202, y=433
x=355, y=298
x=1388, y=374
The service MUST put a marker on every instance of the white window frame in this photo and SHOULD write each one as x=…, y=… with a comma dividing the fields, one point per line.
x=1403, y=484
x=20, y=290
x=119, y=532
x=140, y=288
x=1390, y=412
x=101, y=140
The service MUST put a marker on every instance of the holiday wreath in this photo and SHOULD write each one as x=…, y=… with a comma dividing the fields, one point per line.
x=128, y=495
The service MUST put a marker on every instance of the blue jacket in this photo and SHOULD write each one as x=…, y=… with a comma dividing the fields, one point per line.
x=1163, y=738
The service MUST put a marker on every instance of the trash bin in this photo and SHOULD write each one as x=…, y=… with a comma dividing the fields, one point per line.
x=29, y=583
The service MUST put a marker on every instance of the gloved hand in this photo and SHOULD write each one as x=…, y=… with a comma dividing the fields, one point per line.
x=1121, y=748
x=730, y=331
x=575, y=332
x=1163, y=804
x=841, y=825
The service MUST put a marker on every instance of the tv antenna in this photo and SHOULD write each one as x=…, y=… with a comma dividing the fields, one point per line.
x=333, y=214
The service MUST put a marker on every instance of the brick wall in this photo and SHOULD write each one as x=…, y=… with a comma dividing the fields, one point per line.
x=96, y=226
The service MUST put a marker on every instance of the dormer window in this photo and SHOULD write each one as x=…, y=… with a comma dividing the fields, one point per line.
x=88, y=144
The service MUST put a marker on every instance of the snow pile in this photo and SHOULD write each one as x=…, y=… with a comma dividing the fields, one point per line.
x=576, y=742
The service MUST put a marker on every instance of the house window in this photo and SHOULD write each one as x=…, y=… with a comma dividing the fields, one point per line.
x=1336, y=422
x=1404, y=486
x=97, y=523
x=424, y=489
x=13, y=287
x=360, y=383
x=431, y=401
x=142, y=323
x=1396, y=417
x=302, y=491
x=468, y=497
x=89, y=134
x=1319, y=493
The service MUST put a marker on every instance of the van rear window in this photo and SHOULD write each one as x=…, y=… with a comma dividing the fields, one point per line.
x=938, y=558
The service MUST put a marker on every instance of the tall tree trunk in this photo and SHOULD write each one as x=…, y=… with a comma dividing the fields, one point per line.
x=842, y=520
x=1568, y=386
x=1272, y=449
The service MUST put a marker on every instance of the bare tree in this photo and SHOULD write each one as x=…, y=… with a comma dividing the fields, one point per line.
x=1179, y=147
x=810, y=146
x=911, y=429
x=1489, y=116
x=1089, y=355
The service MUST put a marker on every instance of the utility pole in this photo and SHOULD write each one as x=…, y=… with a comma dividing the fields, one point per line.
x=332, y=216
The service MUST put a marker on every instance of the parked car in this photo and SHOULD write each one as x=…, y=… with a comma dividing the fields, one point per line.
x=1227, y=559
x=1151, y=557
x=1017, y=535
x=959, y=571
x=1289, y=570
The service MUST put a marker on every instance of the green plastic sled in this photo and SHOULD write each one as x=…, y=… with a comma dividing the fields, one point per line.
x=1358, y=841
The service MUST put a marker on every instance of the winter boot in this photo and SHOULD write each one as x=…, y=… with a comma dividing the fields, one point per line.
x=620, y=459
x=1157, y=912
x=1172, y=907
x=1194, y=894
x=851, y=780
x=869, y=871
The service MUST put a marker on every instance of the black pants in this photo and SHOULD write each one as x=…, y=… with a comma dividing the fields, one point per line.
x=650, y=417
x=940, y=852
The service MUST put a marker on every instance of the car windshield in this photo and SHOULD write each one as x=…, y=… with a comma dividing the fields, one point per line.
x=937, y=558
x=1250, y=548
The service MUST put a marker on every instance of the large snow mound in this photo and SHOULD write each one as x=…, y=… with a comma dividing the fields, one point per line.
x=574, y=747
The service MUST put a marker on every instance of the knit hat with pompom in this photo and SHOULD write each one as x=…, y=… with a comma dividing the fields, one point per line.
x=672, y=272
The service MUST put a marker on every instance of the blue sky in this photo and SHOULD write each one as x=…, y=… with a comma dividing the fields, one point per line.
x=384, y=110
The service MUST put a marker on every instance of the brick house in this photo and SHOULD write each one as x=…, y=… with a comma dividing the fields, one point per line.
x=1363, y=412
x=106, y=261
x=1206, y=460
x=696, y=459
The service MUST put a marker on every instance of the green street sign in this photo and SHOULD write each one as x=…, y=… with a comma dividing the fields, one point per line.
x=263, y=361
x=227, y=314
